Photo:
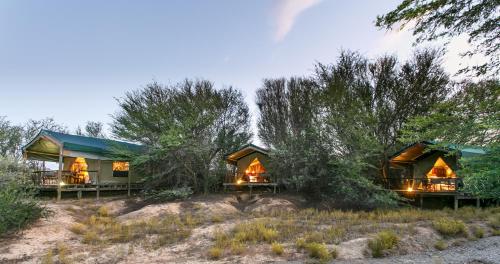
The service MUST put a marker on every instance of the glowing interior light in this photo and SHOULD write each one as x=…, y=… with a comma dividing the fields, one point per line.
x=62, y=183
x=410, y=189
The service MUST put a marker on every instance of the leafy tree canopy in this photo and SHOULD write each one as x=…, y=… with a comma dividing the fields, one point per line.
x=443, y=19
x=188, y=127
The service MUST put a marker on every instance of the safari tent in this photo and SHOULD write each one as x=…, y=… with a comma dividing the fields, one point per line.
x=426, y=171
x=84, y=163
x=248, y=166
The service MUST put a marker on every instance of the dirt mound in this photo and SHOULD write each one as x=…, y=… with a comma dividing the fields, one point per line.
x=270, y=204
x=153, y=210
x=352, y=249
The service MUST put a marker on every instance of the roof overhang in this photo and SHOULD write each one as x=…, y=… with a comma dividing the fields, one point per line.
x=245, y=151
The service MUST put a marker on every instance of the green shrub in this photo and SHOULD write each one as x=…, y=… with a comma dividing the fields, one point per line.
x=168, y=194
x=449, y=227
x=383, y=241
x=18, y=206
x=440, y=245
x=495, y=232
x=277, y=248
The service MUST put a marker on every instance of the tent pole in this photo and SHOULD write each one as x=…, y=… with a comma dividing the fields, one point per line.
x=97, y=179
x=59, y=174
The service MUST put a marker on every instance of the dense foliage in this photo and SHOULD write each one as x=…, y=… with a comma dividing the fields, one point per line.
x=188, y=128
x=440, y=19
x=331, y=133
x=470, y=117
x=18, y=205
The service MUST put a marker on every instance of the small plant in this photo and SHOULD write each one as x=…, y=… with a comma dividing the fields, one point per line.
x=440, y=245
x=277, y=248
x=300, y=243
x=478, y=232
x=383, y=241
x=318, y=251
x=217, y=218
x=449, y=227
x=334, y=253
x=494, y=221
x=48, y=258
x=237, y=247
x=103, y=211
x=90, y=237
x=495, y=232
x=215, y=253
x=78, y=228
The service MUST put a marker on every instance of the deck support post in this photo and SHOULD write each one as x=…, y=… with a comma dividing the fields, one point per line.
x=59, y=173
x=250, y=191
x=274, y=189
x=455, y=202
x=97, y=179
x=128, y=184
x=478, y=203
x=421, y=197
x=79, y=194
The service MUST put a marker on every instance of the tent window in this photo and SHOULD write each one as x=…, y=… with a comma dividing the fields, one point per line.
x=254, y=172
x=441, y=169
x=120, y=169
x=79, y=169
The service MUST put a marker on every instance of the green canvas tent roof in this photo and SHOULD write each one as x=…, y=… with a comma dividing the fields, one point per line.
x=245, y=151
x=46, y=146
x=417, y=149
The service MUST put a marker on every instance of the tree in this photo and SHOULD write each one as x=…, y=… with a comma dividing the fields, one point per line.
x=367, y=103
x=10, y=138
x=470, y=117
x=92, y=129
x=188, y=128
x=446, y=19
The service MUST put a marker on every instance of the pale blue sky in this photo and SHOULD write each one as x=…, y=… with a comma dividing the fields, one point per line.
x=70, y=59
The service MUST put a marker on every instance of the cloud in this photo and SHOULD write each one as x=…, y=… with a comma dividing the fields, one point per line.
x=286, y=11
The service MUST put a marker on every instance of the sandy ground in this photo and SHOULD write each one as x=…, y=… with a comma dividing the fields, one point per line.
x=31, y=245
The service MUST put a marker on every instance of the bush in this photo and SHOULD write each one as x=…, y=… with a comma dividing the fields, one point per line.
x=449, y=227
x=277, y=248
x=440, y=245
x=255, y=231
x=18, y=206
x=383, y=241
x=168, y=194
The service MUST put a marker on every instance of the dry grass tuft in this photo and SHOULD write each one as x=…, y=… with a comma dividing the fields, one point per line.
x=78, y=228
x=48, y=258
x=277, y=248
x=478, y=231
x=383, y=241
x=449, y=227
x=440, y=245
x=318, y=251
x=215, y=253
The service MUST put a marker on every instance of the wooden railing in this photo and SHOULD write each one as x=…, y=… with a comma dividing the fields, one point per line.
x=45, y=178
x=424, y=184
x=232, y=177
